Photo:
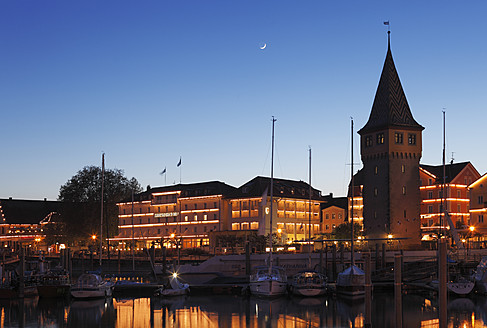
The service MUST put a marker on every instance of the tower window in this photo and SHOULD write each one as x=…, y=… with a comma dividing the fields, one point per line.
x=368, y=141
x=376, y=170
x=404, y=190
x=380, y=138
x=412, y=139
x=398, y=136
x=376, y=192
x=403, y=168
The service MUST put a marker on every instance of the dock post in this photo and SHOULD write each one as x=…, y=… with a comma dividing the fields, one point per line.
x=368, y=291
x=442, y=291
x=334, y=261
x=164, y=261
x=377, y=260
x=22, y=271
x=70, y=262
x=384, y=263
x=398, y=288
x=321, y=259
x=118, y=260
x=247, y=258
x=326, y=260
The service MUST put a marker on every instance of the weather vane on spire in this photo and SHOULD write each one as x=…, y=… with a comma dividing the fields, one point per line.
x=388, y=33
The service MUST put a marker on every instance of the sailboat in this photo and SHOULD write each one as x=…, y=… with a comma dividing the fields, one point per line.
x=351, y=282
x=309, y=282
x=269, y=280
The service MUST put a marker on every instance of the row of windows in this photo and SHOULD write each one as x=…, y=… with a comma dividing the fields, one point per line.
x=245, y=226
x=333, y=216
x=398, y=138
x=204, y=217
x=376, y=191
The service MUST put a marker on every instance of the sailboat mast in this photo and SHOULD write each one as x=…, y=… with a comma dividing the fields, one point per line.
x=309, y=213
x=101, y=215
x=443, y=189
x=352, y=262
x=272, y=194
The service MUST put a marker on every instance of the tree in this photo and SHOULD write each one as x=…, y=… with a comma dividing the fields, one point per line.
x=82, y=197
x=343, y=231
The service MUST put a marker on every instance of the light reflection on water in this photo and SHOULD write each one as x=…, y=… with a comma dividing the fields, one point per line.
x=235, y=311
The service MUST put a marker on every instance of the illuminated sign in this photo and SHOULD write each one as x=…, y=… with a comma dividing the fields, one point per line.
x=164, y=215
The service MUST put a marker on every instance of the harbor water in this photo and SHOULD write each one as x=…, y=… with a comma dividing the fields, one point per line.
x=241, y=311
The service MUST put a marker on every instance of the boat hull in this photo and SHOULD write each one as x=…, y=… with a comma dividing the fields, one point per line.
x=268, y=288
x=87, y=293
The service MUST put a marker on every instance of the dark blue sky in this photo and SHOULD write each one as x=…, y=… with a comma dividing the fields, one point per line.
x=149, y=81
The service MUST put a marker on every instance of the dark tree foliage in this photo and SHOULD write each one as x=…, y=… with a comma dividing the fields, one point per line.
x=82, y=197
x=343, y=231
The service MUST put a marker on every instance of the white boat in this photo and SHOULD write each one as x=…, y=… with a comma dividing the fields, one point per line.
x=351, y=282
x=175, y=288
x=268, y=281
x=309, y=283
x=91, y=285
x=460, y=287
x=480, y=276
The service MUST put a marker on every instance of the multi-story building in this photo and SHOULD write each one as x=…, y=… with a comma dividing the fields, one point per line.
x=391, y=148
x=183, y=214
x=334, y=213
x=294, y=211
x=478, y=205
x=450, y=195
x=22, y=221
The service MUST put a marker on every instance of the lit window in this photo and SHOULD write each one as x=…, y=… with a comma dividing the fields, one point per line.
x=412, y=139
x=380, y=138
x=185, y=218
x=245, y=226
x=196, y=217
x=254, y=225
x=376, y=170
x=205, y=217
x=398, y=137
x=403, y=168
x=235, y=226
x=404, y=190
x=327, y=216
x=368, y=141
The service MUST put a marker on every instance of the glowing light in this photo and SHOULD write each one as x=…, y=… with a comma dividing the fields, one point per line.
x=279, y=230
x=389, y=236
x=175, y=275
x=471, y=228
x=93, y=237
x=172, y=235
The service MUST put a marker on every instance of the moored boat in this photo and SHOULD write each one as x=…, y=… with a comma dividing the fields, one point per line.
x=268, y=281
x=309, y=283
x=351, y=282
x=91, y=285
x=174, y=288
x=54, y=283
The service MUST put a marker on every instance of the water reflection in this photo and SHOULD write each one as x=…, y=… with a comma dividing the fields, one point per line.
x=234, y=311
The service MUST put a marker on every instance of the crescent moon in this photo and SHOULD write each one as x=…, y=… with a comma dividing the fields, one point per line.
x=264, y=46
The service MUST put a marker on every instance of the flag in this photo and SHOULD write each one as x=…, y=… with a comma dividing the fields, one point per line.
x=179, y=163
x=163, y=171
x=386, y=23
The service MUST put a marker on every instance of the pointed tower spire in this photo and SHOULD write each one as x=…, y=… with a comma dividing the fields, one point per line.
x=390, y=106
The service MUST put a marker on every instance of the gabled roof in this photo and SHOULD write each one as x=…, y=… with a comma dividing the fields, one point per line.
x=340, y=202
x=190, y=190
x=390, y=108
x=451, y=170
x=18, y=211
x=282, y=188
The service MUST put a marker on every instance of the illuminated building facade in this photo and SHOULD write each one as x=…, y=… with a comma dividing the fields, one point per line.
x=334, y=213
x=452, y=197
x=391, y=148
x=22, y=221
x=183, y=214
x=478, y=205
x=291, y=208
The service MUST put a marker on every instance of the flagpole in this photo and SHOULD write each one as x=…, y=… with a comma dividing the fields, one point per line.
x=101, y=215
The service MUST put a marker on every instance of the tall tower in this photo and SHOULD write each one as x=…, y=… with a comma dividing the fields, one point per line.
x=390, y=147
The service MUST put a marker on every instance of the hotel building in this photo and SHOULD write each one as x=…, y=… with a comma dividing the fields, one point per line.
x=293, y=209
x=183, y=214
x=449, y=195
x=478, y=205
